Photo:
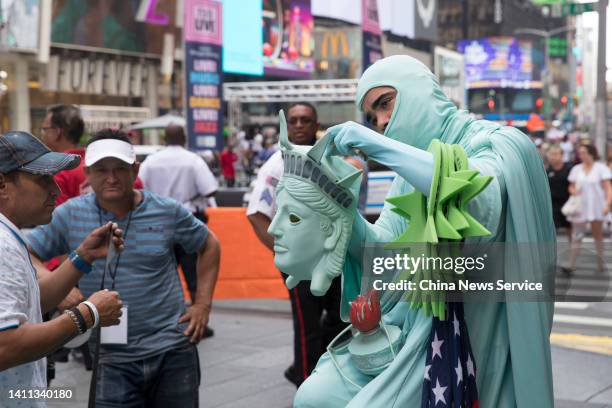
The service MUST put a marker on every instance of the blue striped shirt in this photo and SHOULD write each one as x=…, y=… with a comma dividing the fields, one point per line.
x=146, y=278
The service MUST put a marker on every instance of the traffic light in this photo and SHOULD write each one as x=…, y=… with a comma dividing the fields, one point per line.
x=491, y=104
x=539, y=103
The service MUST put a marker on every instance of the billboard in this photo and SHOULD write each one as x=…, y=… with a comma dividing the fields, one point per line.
x=497, y=62
x=203, y=74
x=114, y=24
x=19, y=25
x=371, y=37
x=288, y=38
x=242, y=37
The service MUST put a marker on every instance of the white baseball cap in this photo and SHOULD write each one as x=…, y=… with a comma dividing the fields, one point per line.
x=101, y=149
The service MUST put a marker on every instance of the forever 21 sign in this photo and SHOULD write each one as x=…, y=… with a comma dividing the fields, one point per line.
x=97, y=76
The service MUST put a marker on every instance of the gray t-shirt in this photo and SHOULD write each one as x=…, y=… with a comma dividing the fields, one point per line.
x=146, y=275
x=19, y=304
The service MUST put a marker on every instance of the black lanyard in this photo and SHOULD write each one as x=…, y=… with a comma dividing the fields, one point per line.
x=113, y=273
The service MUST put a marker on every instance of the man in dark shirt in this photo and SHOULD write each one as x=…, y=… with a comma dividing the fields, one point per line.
x=558, y=172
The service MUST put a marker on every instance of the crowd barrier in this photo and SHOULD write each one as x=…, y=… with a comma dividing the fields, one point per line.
x=247, y=267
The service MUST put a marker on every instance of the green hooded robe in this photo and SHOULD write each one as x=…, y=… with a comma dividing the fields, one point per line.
x=510, y=340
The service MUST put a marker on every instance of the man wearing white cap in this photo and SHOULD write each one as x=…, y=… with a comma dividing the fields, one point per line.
x=156, y=361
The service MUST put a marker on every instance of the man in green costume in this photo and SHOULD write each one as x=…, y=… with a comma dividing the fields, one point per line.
x=510, y=340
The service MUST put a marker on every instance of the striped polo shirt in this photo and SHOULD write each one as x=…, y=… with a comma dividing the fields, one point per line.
x=146, y=276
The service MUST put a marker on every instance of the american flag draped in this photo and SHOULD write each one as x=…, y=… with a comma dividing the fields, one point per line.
x=450, y=371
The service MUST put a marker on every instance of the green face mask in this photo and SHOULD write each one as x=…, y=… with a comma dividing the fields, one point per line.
x=421, y=112
x=316, y=200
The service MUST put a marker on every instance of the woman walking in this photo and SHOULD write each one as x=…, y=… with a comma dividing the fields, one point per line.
x=589, y=180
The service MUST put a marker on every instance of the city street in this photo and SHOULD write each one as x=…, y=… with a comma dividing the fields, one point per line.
x=243, y=363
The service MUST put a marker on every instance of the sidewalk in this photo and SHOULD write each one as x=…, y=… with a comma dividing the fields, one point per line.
x=243, y=364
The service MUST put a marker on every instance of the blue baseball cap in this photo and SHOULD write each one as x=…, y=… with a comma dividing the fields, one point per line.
x=24, y=152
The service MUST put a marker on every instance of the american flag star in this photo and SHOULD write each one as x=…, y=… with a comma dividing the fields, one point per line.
x=450, y=371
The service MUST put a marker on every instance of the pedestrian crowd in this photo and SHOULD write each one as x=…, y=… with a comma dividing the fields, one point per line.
x=581, y=192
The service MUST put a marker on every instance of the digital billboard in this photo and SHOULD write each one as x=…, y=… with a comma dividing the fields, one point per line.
x=497, y=62
x=242, y=37
x=288, y=41
x=113, y=24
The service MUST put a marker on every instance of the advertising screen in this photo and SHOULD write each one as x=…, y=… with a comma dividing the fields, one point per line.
x=242, y=37
x=288, y=38
x=113, y=24
x=497, y=62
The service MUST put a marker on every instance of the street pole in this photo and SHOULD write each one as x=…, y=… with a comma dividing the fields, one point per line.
x=465, y=4
x=546, y=81
x=601, y=111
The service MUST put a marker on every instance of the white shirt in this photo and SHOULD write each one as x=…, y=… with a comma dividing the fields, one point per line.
x=592, y=194
x=263, y=197
x=19, y=304
x=177, y=173
x=568, y=149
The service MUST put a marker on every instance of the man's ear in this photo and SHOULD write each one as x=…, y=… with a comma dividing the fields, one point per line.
x=136, y=168
x=333, y=235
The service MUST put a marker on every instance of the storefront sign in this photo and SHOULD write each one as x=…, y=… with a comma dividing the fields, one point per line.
x=96, y=76
x=203, y=73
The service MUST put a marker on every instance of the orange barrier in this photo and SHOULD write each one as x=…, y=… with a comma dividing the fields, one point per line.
x=247, y=266
x=184, y=288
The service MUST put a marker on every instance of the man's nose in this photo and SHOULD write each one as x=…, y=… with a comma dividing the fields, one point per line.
x=112, y=176
x=382, y=119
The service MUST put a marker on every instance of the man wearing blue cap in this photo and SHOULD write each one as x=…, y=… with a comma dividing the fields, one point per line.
x=27, y=198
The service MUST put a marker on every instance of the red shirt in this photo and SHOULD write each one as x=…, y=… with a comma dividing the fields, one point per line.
x=227, y=163
x=72, y=181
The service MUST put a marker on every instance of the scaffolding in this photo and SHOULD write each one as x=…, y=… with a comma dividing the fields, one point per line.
x=238, y=93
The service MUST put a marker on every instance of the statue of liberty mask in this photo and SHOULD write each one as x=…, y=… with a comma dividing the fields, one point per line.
x=316, y=203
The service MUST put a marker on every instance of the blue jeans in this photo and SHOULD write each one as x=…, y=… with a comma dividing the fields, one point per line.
x=169, y=379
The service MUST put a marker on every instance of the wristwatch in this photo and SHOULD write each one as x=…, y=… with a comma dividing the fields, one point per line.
x=79, y=263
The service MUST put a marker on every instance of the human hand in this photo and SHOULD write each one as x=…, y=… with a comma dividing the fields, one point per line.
x=73, y=298
x=351, y=135
x=109, y=306
x=412, y=164
x=197, y=316
x=95, y=245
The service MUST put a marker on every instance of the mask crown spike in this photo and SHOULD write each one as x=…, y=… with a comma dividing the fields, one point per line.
x=284, y=135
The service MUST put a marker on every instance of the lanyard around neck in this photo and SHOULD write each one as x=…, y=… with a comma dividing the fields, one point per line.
x=113, y=272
